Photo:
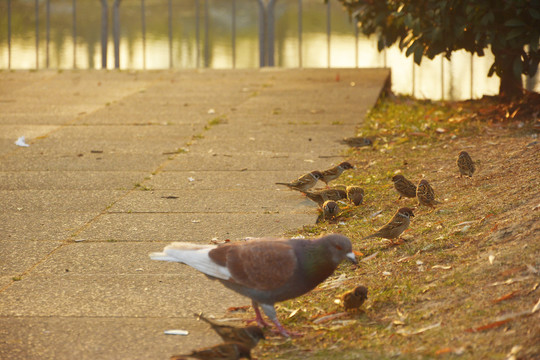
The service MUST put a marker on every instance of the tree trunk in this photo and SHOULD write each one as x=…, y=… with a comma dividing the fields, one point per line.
x=511, y=85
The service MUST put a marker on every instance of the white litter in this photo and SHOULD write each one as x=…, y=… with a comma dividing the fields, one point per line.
x=176, y=332
x=191, y=179
x=20, y=142
x=211, y=111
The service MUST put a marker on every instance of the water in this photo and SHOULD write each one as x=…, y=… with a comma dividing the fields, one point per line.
x=434, y=79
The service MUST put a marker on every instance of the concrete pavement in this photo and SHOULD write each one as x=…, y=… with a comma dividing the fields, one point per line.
x=122, y=163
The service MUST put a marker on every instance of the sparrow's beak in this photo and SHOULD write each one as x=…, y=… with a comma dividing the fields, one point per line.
x=350, y=256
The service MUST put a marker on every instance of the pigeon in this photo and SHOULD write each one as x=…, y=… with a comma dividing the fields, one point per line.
x=225, y=351
x=320, y=196
x=248, y=336
x=465, y=164
x=266, y=270
x=393, y=228
x=425, y=194
x=304, y=182
x=404, y=187
x=355, y=194
x=353, y=299
x=335, y=172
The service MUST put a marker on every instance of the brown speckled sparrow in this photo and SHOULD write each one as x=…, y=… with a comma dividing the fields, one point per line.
x=398, y=224
x=404, y=187
x=249, y=335
x=355, y=194
x=225, y=351
x=357, y=141
x=465, y=164
x=353, y=299
x=425, y=194
x=330, y=209
x=320, y=196
x=335, y=172
x=304, y=182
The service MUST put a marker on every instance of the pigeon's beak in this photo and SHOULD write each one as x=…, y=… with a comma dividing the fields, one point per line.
x=350, y=256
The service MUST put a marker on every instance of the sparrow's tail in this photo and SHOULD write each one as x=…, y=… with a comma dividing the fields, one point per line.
x=282, y=183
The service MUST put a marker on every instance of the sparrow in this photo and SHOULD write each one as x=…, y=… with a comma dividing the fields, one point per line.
x=404, y=187
x=355, y=194
x=425, y=194
x=304, y=182
x=225, y=351
x=334, y=172
x=320, y=196
x=353, y=299
x=248, y=336
x=357, y=141
x=330, y=209
x=465, y=164
x=398, y=224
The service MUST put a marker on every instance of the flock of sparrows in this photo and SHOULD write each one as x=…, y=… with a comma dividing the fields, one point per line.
x=327, y=198
x=273, y=270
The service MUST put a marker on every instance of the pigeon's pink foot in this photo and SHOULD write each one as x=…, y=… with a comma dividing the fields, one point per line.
x=284, y=332
x=259, y=319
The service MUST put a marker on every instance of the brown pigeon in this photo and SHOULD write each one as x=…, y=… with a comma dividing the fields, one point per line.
x=249, y=335
x=266, y=270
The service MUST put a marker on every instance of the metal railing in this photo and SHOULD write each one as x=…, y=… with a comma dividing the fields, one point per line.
x=266, y=19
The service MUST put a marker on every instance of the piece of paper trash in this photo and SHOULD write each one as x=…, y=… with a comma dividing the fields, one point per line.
x=191, y=179
x=176, y=332
x=211, y=111
x=491, y=258
x=20, y=142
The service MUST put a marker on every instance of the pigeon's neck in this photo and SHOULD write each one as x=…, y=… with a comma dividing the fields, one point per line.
x=317, y=264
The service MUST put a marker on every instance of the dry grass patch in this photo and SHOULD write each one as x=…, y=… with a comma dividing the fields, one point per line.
x=455, y=287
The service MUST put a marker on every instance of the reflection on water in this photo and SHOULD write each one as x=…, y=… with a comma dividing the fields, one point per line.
x=432, y=79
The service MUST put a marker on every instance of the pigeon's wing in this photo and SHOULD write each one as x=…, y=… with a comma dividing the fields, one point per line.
x=259, y=264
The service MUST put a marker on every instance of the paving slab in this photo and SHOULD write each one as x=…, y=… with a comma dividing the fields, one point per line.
x=195, y=227
x=122, y=163
x=70, y=180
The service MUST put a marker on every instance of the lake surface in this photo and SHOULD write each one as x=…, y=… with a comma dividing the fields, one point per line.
x=434, y=79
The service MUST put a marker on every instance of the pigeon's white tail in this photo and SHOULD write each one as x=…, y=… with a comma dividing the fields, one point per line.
x=194, y=255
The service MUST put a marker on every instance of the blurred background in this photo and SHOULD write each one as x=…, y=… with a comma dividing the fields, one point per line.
x=221, y=34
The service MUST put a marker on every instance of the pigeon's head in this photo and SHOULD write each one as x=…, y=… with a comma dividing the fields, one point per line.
x=397, y=178
x=346, y=165
x=317, y=174
x=463, y=153
x=423, y=182
x=339, y=248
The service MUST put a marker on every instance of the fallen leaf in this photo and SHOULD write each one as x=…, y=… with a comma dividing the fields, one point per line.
x=536, y=307
x=440, y=130
x=238, y=308
x=444, y=267
x=293, y=313
x=491, y=258
x=506, y=297
x=405, y=332
x=370, y=256
x=445, y=350
x=329, y=317
x=492, y=325
x=418, y=134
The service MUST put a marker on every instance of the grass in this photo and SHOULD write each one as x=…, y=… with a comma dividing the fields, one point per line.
x=438, y=295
